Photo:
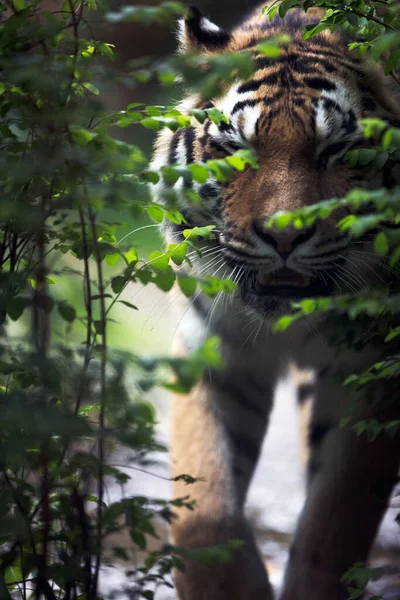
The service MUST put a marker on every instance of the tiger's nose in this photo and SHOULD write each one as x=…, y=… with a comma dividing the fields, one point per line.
x=285, y=240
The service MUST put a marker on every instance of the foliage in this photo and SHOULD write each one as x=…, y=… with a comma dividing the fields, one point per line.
x=65, y=182
x=367, y=317
x=359, y=575
x=373, y=212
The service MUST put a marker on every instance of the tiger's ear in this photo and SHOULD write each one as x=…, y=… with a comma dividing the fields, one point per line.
x=197, y=32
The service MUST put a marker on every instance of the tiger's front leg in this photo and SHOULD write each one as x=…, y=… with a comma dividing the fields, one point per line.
x=350, y=481
x=217, y=433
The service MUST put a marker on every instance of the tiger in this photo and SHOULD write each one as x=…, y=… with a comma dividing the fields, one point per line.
x=299, y=113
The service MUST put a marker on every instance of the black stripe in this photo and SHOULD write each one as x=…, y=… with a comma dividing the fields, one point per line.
x=305, y=63
x=239, y=472
x=172, y=154
x=382, y=488
x=313, y=116
x=219, y=147
x=338, y=58
x=223, y=126
x=245, y=447
x=328, y=104
x=317, y=53
x=253, y=41
x=288, y=79
x=338, y=238
x=268, y=119
x=319, y=83
x=314, y=467
x=323, y=372
x=368, y=103
x=209, y=190
x=298, y=101
x=189, y=140
x=262, y=62
x=317, y=433
x=187, y=216
x=203, y=141
x=298, y=118
x=255, y=84
x=268, y=100
x=350, y=126
x=332, y=150
x=304, y=392
x=242, y=397
x=240, y=105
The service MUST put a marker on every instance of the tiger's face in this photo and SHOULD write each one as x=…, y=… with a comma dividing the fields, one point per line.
x=299, y=114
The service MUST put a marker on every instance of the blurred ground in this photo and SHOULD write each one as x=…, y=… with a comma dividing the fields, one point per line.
x=277, y=491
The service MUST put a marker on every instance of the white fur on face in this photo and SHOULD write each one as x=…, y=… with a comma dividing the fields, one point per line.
x=248, y=115
x=330, y=122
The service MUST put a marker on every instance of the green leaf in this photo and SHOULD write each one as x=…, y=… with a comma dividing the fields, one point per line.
x=118, y=283
x=155, y=212
x=159, y=260
x=187, y=284
x=81, y=136
x=128, y=304
x=4, y=593
x=355, y=593
x=178, y=252
x=199, y=172
x=366, y=156
x=150, y=176
x=139, y=538
x=217, y=116
x=66, y=312
x=199, y=115
x=195, y=232
x=165, y=280
x=112, y=259
x=99, y=327
x=248, y=156
x=15, y=307
x=120, y=553
x=282, y=220
x=131, y=256
x=283, y=323
x=92, y=88
x=308, y=306
x=170, y=174
x=106, y=49
x=19, y=4
x=394, y=333
x=383, y=43
x=381, y=244
x=150, y=123
x=236, y=162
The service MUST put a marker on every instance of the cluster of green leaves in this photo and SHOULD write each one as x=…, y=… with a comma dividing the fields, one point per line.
x=209, y=72
x=358, y=577
x=65, y=181
x=372, y=25
x=362, y=317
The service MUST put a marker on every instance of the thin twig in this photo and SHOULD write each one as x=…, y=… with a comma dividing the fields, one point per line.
x=100, y=489
x=88, y=305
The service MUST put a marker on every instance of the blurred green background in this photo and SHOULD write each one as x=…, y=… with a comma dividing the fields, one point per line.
x=151, y=327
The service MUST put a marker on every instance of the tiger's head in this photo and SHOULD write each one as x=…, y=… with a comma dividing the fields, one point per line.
x=299, y=114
